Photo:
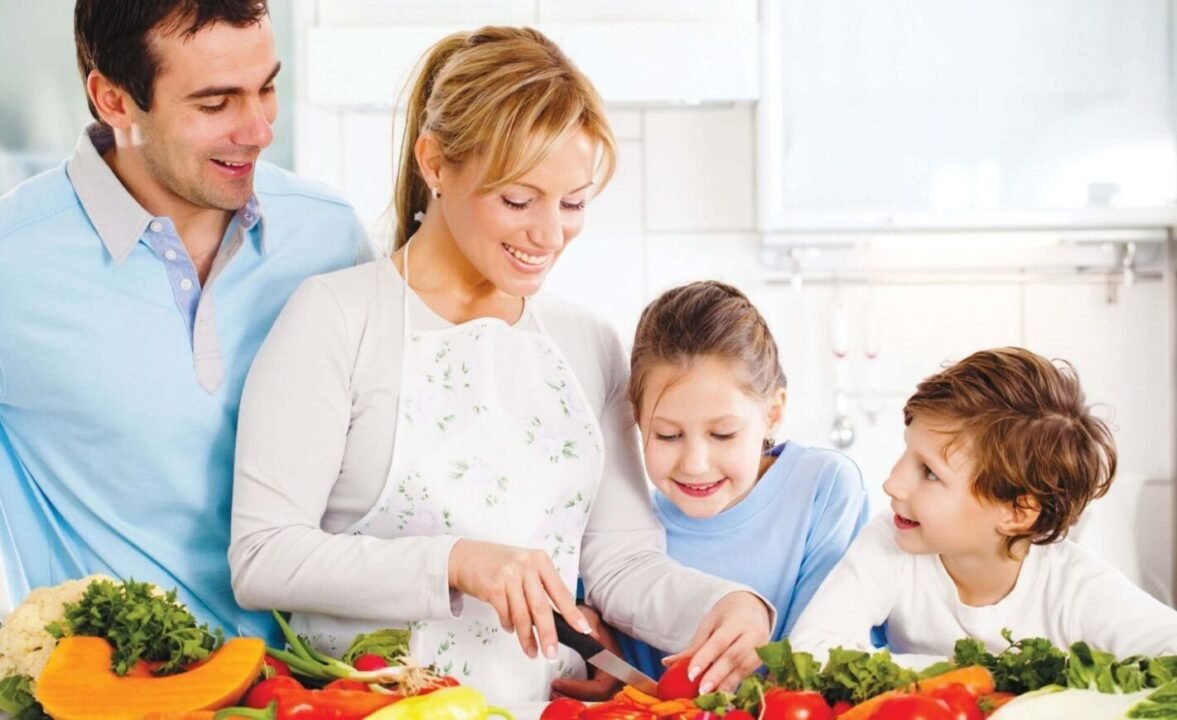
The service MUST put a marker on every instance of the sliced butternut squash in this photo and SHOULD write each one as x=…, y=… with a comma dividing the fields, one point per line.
x=78, y=684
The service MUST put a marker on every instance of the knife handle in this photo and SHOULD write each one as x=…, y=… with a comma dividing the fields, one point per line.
x=582, y=643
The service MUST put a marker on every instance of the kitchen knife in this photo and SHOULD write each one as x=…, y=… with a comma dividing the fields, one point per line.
x=595, y=654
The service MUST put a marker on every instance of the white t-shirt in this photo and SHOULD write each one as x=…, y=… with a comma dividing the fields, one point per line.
x=314, y=446
x=1062, y=593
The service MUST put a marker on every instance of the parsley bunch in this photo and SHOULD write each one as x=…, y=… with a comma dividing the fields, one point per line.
x=140, y=624
x=1028, y=664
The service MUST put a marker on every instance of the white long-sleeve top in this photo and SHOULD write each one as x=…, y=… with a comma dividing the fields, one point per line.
x=1063, y=593
x=314, y=447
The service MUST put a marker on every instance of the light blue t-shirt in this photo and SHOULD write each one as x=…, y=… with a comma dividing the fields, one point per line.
x=121, y=376
x=781, y=540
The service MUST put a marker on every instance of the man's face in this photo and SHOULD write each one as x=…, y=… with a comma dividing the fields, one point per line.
x=212, y=110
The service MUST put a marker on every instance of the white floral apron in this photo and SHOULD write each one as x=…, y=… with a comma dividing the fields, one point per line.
x=494, y=441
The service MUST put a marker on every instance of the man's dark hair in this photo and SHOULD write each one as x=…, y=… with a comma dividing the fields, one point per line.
x=111, y=36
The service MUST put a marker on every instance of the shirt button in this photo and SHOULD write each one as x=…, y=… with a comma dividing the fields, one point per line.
x=185, y=284
x=156, y=226
x=169, y=254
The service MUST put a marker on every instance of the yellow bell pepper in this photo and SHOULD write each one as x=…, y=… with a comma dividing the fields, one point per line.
x=454, y=703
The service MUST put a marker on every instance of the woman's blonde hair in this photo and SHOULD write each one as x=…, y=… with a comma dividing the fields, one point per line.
x=506, y=95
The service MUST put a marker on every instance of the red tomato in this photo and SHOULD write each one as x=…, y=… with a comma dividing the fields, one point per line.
x=780, y=704
x=990, y=702
x=840, y=707
x=276, y=667
x=563, y=709
x=912, y=707
x=739, y=715
x=264, y=692
x=674, y=684
x=959, y=700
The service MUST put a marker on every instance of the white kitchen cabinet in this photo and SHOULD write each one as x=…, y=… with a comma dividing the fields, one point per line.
x=932, y=114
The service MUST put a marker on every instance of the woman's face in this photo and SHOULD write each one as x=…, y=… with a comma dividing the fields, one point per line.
x=513, y=235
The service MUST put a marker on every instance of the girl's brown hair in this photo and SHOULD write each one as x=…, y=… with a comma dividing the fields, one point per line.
x=505, y=95
x=1035, y=441
x=705, y=319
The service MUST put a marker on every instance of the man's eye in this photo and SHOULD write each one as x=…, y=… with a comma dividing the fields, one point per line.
x=214, y=108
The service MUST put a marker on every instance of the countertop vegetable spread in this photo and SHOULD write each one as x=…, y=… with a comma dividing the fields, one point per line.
x=100, y=649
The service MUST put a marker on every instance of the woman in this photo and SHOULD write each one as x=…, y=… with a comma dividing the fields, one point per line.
x=425, y=443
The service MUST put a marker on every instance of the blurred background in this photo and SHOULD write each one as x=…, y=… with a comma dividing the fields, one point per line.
x=895, y=184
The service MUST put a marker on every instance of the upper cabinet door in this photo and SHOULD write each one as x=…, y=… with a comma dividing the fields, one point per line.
x=940, y=114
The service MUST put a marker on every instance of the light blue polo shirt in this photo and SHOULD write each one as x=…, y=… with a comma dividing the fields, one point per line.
x=121, y=376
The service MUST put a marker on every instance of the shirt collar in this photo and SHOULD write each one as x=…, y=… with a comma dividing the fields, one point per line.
x=118, y=218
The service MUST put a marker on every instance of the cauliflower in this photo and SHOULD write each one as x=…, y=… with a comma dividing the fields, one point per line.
x=24, y=644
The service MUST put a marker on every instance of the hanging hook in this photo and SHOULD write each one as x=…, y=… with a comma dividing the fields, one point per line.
x=1128, y=264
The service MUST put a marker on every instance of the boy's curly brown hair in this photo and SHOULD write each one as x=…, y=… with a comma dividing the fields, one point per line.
x=1030, y=432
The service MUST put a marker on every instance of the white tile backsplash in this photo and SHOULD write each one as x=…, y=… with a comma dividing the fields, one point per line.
x=700, y=172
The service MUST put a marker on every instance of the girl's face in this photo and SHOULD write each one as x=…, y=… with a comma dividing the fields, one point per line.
x=931, y=495
x=513, y=236
x=703, y=434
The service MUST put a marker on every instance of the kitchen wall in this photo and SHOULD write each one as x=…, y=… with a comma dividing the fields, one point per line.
x=683, y=207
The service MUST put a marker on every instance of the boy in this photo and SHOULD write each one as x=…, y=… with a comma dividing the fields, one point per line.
x=1002, y=456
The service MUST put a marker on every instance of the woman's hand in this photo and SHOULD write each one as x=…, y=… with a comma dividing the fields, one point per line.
x=602, y=685
x=725, y=643
x=521, y=584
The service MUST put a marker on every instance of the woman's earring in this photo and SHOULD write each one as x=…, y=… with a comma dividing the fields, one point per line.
x=436, y=192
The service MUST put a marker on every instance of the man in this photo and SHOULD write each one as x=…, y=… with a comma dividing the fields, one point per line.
x=137, y=281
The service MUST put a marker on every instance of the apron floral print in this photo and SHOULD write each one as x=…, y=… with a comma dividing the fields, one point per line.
x=494, y=442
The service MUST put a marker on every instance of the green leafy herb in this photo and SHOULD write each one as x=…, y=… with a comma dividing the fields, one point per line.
x=718, y=700
x=790, y=670
x=140, y=625
x=855, y=675
x=16, y=694
x=1161, y=703
x=1027, y=664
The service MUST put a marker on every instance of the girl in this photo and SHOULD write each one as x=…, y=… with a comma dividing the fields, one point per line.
x=708, y=393
x=424, y=442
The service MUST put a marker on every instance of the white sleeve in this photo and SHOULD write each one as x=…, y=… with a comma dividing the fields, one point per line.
x=1112, y=614
x=857, y=595
x=626, y=572
x=292, y=433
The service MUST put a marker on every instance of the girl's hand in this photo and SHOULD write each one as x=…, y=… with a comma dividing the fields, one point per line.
x=602, y=685
x=724, y=646
x=521, y=584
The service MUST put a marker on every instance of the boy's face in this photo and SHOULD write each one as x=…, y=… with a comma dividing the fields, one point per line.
x=703, y=435
x=931, y=495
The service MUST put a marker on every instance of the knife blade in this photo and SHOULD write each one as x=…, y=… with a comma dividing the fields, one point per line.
x=595, y=654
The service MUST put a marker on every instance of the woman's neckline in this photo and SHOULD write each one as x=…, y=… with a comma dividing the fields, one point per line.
x=411, y=294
